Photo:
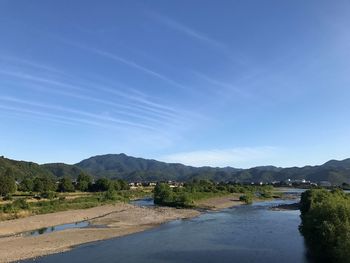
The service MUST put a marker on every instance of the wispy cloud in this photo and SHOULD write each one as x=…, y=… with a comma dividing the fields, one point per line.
x=50, y=117
x=117, y=106
x=162, y=110
x=31, y=77
x=230, y=53
x=236, y=157
x=224, y=87
x=20, y=61
x=142, y=110
x=190, y=32
x=125, y=61
x=98, y=117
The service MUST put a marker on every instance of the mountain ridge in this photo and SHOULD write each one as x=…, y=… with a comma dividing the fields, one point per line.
x=122, y=166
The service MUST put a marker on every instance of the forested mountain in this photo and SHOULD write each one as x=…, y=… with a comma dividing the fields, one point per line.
x=62, y=169
x=139, y=169
x=22, y=169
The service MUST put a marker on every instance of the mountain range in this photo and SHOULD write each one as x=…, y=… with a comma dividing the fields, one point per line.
x=130, y=168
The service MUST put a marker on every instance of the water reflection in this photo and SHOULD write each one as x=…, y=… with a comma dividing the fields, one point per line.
x=143, y=202
x=46, y=230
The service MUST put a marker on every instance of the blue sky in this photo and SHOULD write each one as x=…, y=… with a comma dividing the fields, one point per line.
x=239, y=83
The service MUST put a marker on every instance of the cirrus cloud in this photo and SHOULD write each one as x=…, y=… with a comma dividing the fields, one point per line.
x=241, y=157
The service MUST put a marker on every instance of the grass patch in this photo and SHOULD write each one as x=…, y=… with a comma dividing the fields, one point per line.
x=25, y=204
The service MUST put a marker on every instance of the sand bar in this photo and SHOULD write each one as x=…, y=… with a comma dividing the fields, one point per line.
x=118, y=220
x=218, y=203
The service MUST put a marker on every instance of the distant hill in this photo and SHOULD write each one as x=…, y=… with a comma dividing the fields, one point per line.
x=345, y=164
x=23, y=169
x=62, y=169
x=138, y=169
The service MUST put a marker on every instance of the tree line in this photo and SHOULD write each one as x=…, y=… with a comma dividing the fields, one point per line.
x=42, y=184
x=198, y=189
x=325, y=224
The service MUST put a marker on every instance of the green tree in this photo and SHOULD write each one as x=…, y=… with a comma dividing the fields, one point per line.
x=120, y=185
x=102, y=184
x=163, y=194
x=123, y=184
x=84, y=182
x=7, y=183
x=66, y=185
x=26, y=185
x=38, y=185
x=44, y=184
x=325, y=224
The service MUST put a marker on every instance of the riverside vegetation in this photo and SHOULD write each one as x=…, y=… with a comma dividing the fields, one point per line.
x=40, y=195
x=200, y=189
x=325, y=224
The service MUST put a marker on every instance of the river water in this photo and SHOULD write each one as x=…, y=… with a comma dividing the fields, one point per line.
x=250, y=233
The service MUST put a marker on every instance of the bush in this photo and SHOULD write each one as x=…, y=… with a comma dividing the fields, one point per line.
x=9, y=208
x=48, y=195
x=111, y=194
x=163, y=194
x=7, y=197
x=21, y=204
x=247, y=199
x=266, y=194
x=183, y=200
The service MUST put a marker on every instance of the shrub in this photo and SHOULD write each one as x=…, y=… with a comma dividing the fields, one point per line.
x=7, y=197
x=247, y=199
x=9, y=208
x=163, y=194
x=21, y=204
x=266, y=194
x=48, y=195
x=111, y=194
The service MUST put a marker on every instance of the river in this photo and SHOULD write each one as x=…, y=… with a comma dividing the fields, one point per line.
x=249, y=233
